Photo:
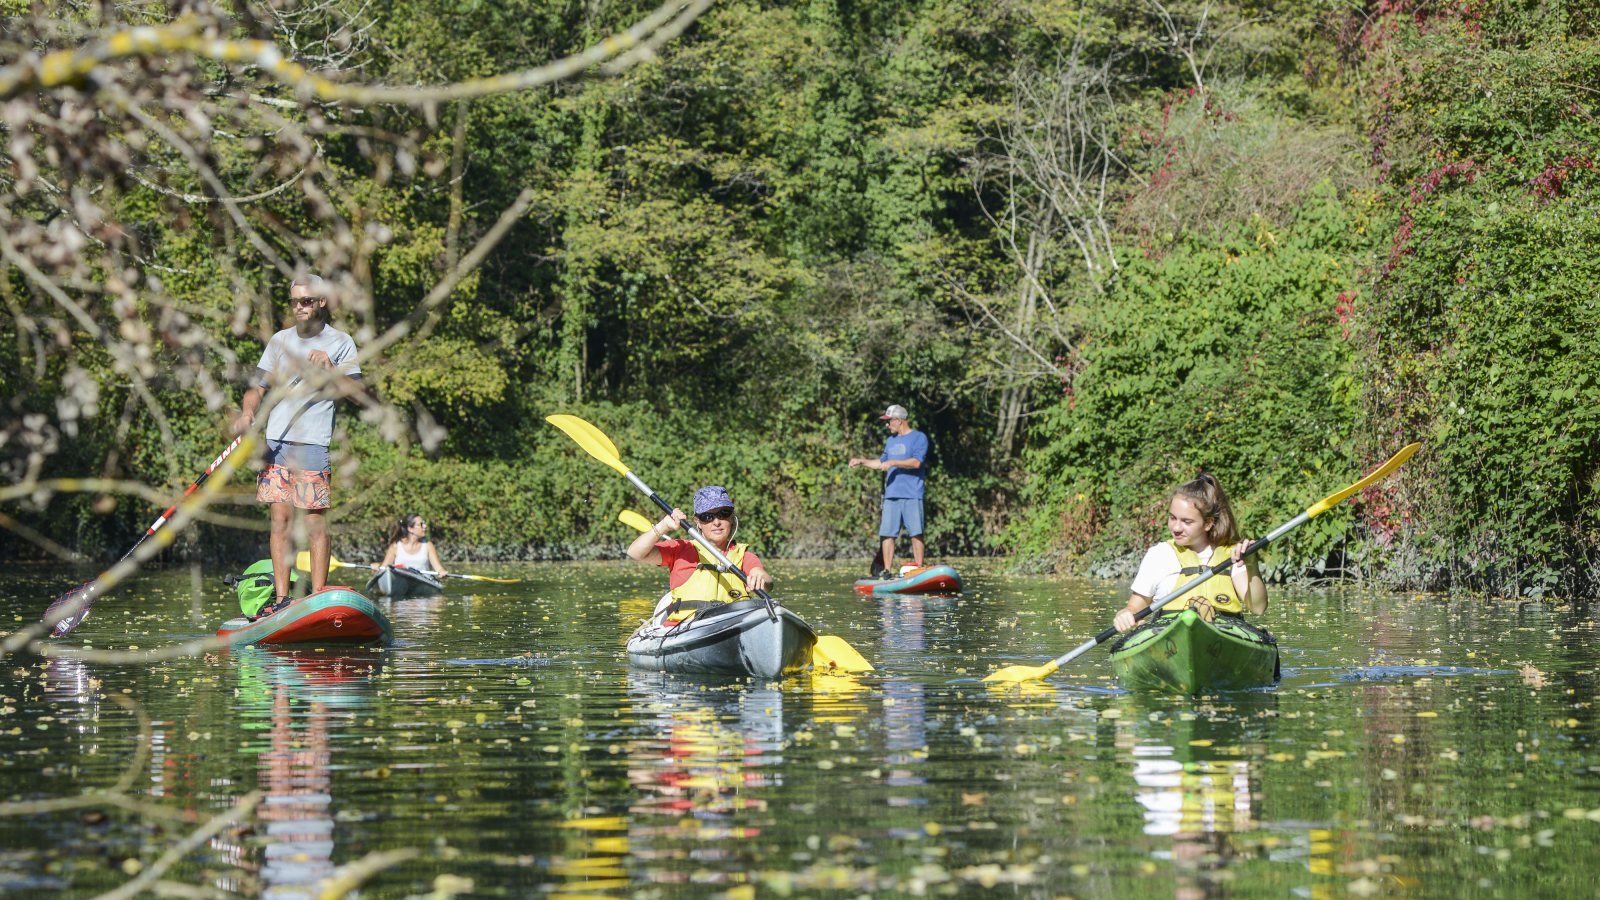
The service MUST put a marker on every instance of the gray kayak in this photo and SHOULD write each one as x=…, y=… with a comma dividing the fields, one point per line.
x=399, y=581
x=739, y=638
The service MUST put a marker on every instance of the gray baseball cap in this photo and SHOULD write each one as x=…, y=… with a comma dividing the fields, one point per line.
x=896, y=412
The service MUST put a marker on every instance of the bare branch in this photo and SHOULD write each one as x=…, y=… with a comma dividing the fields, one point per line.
x=72, y=66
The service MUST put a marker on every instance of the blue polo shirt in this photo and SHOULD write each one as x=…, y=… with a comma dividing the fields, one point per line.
x=905, y=484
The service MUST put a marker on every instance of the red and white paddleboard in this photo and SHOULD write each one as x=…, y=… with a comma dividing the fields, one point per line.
x=333, y=615
x=926, y=580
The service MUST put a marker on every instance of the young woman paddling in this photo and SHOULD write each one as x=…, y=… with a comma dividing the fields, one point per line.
x=409, y=546
x=1203, y=532
x=695, y=578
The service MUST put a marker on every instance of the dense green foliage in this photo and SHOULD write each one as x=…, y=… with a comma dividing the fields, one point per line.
x=1220, y=355
x=1327, y=232
x=1485, y=304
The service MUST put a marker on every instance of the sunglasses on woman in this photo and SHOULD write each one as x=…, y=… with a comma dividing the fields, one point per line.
x=707, y=517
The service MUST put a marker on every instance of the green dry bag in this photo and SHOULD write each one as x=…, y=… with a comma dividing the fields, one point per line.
x=255, y=586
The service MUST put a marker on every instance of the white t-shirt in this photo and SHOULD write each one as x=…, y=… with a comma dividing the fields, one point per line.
x=299, y=418
x=1158, y=572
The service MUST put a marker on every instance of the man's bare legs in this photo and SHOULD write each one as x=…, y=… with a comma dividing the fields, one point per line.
x=320, y=547
x=282, y=547
x=919, y=550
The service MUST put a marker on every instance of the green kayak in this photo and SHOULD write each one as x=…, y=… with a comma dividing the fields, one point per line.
x=1183, y=654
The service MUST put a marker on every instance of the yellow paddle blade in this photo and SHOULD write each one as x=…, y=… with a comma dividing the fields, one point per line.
x=835, y=652
x=1332, y=500
x=302, y=561
x=593, y=441
x=494, y=580
x=1021, y=673
x=634, y=520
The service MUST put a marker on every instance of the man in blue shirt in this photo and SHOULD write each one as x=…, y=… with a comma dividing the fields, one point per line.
x=904, y=462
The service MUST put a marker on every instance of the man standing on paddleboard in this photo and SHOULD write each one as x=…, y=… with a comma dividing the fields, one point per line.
x=300, y=428
x=904, y=462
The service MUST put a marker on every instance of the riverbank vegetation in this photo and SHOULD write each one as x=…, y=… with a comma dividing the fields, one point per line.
x=1094, y=248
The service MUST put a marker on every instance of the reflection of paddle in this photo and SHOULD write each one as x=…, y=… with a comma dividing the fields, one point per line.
x=1028, y=673
x=302, y=561
x=830, y=650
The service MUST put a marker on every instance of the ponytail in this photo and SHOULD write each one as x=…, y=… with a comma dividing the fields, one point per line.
x=1205, y=494
x=401, y=527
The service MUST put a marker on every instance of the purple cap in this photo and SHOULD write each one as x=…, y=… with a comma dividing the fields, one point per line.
x=713, y=497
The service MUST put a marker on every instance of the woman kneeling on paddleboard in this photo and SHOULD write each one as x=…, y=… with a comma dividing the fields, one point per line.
x=409, y=546
x=1203, y=529
x=696, y=579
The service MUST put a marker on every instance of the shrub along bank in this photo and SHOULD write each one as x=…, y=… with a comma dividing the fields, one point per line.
x=1223, y=355
x=1454, y=303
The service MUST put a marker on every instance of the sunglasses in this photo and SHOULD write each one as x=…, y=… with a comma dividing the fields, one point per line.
x=305, y=301
x=707, y=517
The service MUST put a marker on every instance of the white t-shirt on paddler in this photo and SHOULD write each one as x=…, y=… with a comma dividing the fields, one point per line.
x=1159, y=571
x=287, y=360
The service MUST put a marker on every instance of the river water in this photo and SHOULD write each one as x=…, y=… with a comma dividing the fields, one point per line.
x=1418, y=746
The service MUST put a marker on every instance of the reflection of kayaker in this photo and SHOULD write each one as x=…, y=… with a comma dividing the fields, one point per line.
x=409, y=546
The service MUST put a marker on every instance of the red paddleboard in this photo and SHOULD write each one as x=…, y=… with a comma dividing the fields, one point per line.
x=333, y=615
x=926, y=580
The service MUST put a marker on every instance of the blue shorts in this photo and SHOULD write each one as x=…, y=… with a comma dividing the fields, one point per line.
x=898, y=511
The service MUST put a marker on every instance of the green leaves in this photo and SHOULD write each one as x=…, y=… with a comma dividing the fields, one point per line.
x=1221, y=356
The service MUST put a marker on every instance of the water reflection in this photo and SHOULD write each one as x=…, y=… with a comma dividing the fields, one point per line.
x=565, y=775
x=300, y=695
x=905, y=638
x=1203, y=789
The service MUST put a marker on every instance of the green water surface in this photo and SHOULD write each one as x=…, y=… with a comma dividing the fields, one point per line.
x=1419, y=746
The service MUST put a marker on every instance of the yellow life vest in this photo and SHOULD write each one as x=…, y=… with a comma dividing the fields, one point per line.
x=710, y=584
x=1218, y=590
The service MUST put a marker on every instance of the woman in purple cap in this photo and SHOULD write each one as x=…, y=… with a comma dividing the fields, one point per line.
x=696, y=579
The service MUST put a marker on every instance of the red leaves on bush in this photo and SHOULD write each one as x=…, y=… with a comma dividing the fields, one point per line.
x=1548, y=184
x=1424, y=186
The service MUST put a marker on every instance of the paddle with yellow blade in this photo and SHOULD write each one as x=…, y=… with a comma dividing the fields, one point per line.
x=829, y=651
x=1029, y=673
x=635, y=521
x=302, y=561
